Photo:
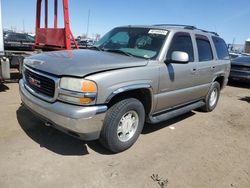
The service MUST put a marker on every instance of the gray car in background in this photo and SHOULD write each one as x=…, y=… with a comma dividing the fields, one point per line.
x=240, y=69
x=131, y=75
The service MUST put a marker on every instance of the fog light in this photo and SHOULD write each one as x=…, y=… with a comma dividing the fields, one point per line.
x=85, y=100
x=74, y=100
x=68, y=98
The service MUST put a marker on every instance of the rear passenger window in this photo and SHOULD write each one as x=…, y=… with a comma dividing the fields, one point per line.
x=182, y=42
x=204, y=48
x=221, y=48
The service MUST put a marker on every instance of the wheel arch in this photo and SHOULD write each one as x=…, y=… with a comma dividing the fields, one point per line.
x=220, y=79
x=142, y=92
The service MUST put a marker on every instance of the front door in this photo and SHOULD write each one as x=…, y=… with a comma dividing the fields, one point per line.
x=177, y=80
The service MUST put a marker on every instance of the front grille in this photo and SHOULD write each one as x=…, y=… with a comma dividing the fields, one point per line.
x=40, y=84
x=240, y=67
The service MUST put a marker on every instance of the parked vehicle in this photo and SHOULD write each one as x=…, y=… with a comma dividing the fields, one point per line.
x=240, y=69
x=18, y=45
x=132, y=75
x=86, y=43
x=233, y=55
x=14, y=47
x=18, y=41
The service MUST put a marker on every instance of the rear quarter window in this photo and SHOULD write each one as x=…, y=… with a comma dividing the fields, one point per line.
x=221, y=48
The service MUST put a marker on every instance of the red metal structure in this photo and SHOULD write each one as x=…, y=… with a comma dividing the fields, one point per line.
x=53, y=38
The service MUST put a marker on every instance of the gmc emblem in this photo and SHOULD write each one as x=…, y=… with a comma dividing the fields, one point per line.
x=34, y=82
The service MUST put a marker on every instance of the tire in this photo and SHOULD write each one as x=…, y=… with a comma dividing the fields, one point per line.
x=212, y=97
x=122, y=125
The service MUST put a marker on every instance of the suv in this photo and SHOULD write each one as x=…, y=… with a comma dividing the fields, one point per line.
x=132, y=75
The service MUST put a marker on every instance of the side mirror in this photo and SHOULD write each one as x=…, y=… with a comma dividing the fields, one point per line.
x=179, y=57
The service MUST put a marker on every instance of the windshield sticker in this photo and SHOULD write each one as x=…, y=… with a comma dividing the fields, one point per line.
x=158, y=32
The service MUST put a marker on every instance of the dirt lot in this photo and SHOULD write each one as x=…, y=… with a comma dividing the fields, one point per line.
x=194, y=150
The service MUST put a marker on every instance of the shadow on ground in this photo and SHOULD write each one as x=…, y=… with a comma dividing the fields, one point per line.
x=63, y=144
x=149, y=128
x=15, y=77
x=49, y=137
x=246, y=99
x=53, y=139
x=3, y=87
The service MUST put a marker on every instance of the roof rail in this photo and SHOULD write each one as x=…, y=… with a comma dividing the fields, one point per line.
x=188, y=27
x=208, y=32
x=178, y=25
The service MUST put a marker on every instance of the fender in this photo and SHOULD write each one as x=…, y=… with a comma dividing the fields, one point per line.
x=130, y=88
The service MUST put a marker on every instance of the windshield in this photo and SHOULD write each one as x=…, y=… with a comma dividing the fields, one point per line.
x=139, y=42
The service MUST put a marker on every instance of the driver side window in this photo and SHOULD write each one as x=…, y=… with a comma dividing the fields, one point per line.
x=182, y=42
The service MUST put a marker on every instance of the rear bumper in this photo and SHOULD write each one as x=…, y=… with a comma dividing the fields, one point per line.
x=82, y=122
x=239, y=75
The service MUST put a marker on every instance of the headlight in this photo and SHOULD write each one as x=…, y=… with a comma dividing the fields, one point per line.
x=77, y=91
x=79, y=85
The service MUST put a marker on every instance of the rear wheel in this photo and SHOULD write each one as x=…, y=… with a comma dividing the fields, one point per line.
x=122, y=125
x=212, y=98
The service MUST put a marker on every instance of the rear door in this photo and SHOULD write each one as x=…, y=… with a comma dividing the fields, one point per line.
x=206, y=64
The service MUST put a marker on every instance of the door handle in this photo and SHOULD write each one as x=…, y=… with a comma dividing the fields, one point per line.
x=193, y=70
x=212, y=68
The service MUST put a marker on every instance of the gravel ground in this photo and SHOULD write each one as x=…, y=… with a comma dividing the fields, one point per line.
x=194, y=150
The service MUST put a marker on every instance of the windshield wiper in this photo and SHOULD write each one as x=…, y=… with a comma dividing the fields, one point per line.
x=118, y=51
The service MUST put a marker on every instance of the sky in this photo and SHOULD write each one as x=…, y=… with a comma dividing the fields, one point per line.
x=229, y=18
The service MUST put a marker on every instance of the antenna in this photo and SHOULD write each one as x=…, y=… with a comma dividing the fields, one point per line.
x=87, y=33
x=23, y=26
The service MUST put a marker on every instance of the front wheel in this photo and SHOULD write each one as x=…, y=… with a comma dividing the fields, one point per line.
x=212, y=98
x=122, y=125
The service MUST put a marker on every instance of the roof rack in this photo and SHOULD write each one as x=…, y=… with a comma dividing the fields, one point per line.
x=178, y=25
x=191, y=27
x=208, y=32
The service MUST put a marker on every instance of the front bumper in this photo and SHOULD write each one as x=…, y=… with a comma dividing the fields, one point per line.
x=82, y=122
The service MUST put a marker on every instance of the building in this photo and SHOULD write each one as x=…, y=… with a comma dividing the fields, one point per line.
x=237, y=48
x=247, y=46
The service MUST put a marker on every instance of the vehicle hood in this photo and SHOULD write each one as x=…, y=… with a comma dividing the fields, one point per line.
x=81, y=62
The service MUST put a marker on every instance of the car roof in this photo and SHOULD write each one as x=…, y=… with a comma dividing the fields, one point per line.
x=175, y=27
x=15, y=33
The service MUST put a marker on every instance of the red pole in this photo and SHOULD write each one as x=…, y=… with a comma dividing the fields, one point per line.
x=55, y=14
x=46, y=14
x=77, y=47
x=38, y=18
x=66, y=24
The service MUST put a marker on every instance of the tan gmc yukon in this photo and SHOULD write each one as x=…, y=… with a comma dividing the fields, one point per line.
x=132, y=75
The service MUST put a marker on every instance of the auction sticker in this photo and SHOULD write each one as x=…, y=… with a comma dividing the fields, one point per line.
x=158, y=32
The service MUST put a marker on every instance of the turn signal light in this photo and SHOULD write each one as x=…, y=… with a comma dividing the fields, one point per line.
x=89, y=87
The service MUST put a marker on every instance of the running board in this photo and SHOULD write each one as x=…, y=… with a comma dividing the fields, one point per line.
x=174, y=113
